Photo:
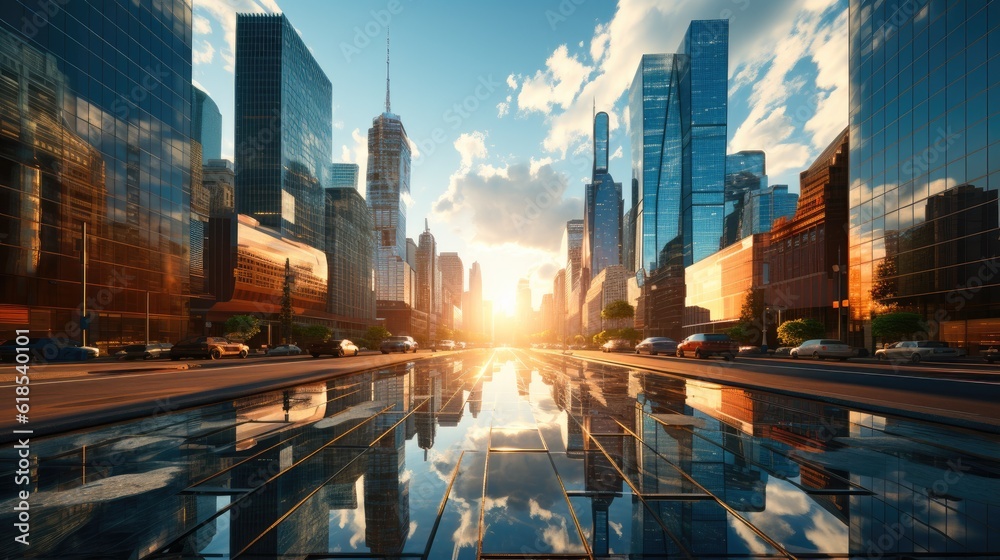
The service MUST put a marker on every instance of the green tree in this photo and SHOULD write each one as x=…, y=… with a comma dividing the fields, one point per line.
x=600, y=338
x=375, y=335
x=743, y=333
x=243, y=327
x=619, y=309
x=308, y=334
x=630, y=334
x=794, y=333
x=287, y=315
x=891, y=327
x=747, y=330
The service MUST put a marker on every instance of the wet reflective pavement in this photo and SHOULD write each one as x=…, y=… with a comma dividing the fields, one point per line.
x=512, y=454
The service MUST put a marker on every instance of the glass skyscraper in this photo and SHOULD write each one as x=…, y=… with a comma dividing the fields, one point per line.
x=206, y=125
x=350, y=253
x=284, y=111
x=388, y=182
x=745, y=172
x=925, y=167
x=602, y=208
x=761, y=208
x=704, y=90
x=80, y=147
x=343, y=175
x=601, y=129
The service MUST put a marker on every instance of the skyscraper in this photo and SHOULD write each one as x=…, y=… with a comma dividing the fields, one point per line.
x=762, y=208
x=428, y=281
x=924, y=135
x=745, y=172
x=602, y=209
x=283, y=128
x=78, y=151
x=350, y=253
x=572, y=246
x=704, y=91
x=475, y=319
x=206, y=125
x=452, y=277
x=343, y=175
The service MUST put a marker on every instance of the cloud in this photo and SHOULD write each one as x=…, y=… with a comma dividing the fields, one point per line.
x=204, y=54
x=511, y=82
x=224, y=13
x=518, y=204
x=558, y=84
x=471, y=146
x=357, y=153
x=200, y=25
x=503, y=108
x=617, y=154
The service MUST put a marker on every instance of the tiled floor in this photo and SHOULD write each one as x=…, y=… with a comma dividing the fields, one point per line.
x=513, y=454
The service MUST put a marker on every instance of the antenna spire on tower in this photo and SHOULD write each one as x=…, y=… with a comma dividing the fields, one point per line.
x=388, y=108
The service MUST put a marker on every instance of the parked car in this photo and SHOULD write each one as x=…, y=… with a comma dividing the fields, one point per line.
x=402, y=344
x=46, y=349
x=657, y=345
x=284, y=350
x=821, y=348
x=208, y=347
x=146, y=351
x=335, y=348
x=916, y=351
x=703, y=345
x=616, y=345
x=446, y=345
x=992, y=354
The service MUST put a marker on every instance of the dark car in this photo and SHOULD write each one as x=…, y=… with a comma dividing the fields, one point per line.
x=657, y=345
x=335, y=348
x=46, y=349
x=703, y=345
x=992, y=354
x=402, y=344
x=208, y=347
x=146, y=351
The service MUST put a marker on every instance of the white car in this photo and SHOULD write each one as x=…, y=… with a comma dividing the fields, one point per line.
x=446, y=344
x=821, y=348
x=915, y=351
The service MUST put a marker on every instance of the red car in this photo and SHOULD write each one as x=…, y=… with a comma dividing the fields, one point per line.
x=703, y=345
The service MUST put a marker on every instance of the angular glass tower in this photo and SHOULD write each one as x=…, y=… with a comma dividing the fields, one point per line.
x=284, y=111
x=601, y=143
x=761, y=208
x=350, y=253
x=388, y=181
x=925, y=168
x=343, y=175
x=704, y=73
x=96, y=110
x=602, y=208
x=206, y=125
x=745, y=172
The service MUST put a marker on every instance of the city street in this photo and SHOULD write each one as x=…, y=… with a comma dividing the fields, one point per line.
x=498, y=452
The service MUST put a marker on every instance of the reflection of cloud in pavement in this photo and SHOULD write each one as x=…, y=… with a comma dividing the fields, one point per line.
x=795, y=521
x=103, y=490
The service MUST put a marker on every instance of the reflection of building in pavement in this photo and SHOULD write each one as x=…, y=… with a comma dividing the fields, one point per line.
x=387, y=494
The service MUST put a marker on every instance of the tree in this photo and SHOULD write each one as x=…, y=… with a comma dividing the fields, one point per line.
x=243, y=327
x=794, y=333
x=287, y=315
x=375, y=335
x=308, y=334
x=748, y=329
x=898, y=325
x=743, y=333
x=630, y=334
x=619, y=309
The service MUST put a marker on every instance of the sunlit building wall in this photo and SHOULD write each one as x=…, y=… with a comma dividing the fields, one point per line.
x=77, y=147
x=350, y=252
x=607, y=287
x=718, y=285
x=924, y=170
x=218, y=176
x=206, y=125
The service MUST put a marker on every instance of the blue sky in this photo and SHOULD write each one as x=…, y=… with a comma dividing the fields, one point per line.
x=497, y=98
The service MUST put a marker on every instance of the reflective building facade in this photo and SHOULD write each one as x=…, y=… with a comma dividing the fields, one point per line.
x=79, y=147
x=206, y=125
x=343, y=175
x=924, y=160
x=746, y=171
x=350, y=254
x=388, y=183
x=762, y=208
x=284, y=111
x=603, y=205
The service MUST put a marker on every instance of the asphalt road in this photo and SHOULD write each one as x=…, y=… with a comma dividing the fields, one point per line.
x=68, y=397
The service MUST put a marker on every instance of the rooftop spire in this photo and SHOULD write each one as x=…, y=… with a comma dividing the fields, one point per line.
x=388, y=108
x=427, y=226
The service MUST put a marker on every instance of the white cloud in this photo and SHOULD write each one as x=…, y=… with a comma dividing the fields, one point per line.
x=203, y=54
x=557, y=85
x=357, y=153
x=830, y=57
x=224, y=13
x=471, y=146
x=511, y=82
x=503, y=108
x=200, y=25
x=617, y=154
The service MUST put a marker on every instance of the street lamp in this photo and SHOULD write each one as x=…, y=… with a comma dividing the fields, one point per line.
x=839, y=304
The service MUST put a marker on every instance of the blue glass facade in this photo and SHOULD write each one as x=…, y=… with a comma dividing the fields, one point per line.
x=343, y=175
x=95, y=105
x=704, y=73
x=761, y=208
x=601, y=143
x=655, y=134
x=206, y=125
x=284, y=111
x=925, y=166
x=604, y=223
x=746, y=172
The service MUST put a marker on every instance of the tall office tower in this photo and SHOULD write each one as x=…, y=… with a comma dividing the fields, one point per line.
x=559, y=305
x=704, y=91
x=655, y=135
x=523, y=304
x=388, y=182
x=343, y=175
x=283, y=129
x=79, y=149
x=602, y=219
x=474, y=317
x=206, y=125
x=350, y=253
x=218, y=177
x=452, y=277
x=572, y=248
x=428, y=281
x=761, y=208
x=745, y=172
x=923, y=187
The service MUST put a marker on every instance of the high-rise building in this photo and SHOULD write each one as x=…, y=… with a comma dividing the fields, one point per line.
x=343, y=175
x=452, y=277
x=206, y=125
x=924, y=133
x=762, y=208
x=77, y=150
x=745, y=172
x=218, y=177
x=602, y=219
x=559, y=305
x=572, y=247
x=472, y=310
x=428, y=282
x=350, y=253
x=284, y=110
x=704, y=93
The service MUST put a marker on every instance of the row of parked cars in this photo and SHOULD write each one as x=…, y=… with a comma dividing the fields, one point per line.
x=702, y=345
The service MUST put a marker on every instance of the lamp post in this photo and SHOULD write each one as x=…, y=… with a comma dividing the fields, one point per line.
x=763, y=331
x=838, y=269
x=147, y=317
